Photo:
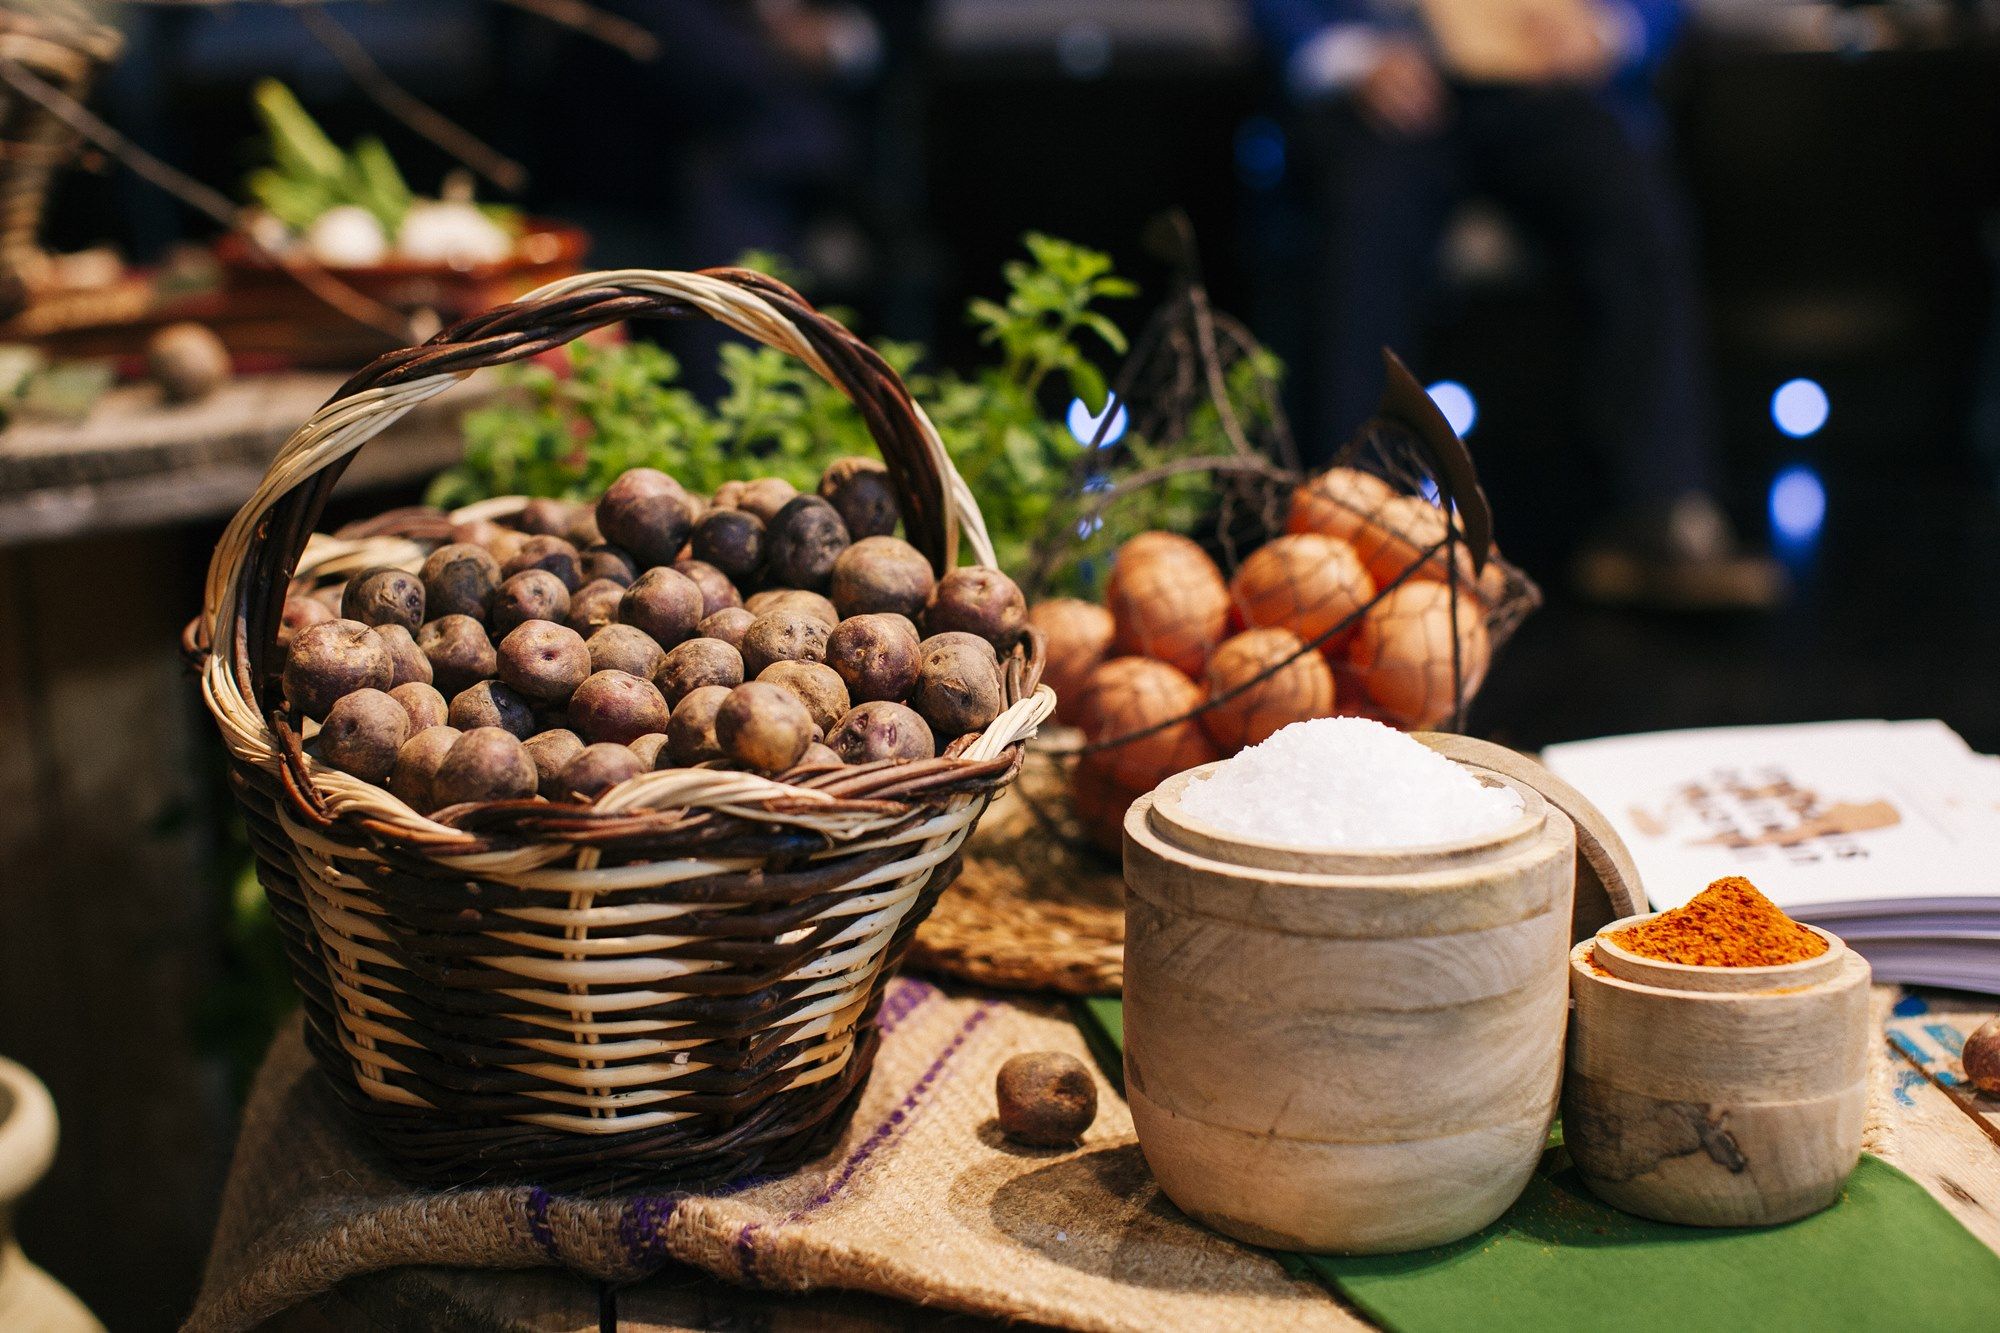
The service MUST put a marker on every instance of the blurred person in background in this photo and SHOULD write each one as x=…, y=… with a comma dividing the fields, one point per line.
x=736, y=138
x=1406, y=108
x=722, y=143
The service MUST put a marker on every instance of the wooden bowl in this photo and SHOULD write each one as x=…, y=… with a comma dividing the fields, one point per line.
x=1351, y=1051
x=1716, y=1096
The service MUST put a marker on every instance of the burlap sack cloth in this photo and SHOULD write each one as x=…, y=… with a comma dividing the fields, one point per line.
x=923, y=1200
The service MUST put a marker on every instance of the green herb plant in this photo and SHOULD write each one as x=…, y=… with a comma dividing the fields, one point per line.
x=622, y=405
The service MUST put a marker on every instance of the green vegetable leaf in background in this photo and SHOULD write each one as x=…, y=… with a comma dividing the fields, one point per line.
x=1005, y=424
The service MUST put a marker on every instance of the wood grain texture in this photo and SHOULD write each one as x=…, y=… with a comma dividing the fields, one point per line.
x=1352, y=1051
x=1718, y=1108
x=1607, y=878
x=1777, y=1045
x=1352, y=1198
x=137, y=462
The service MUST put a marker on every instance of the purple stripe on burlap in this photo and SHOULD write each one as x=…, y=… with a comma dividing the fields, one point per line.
x=642, y=1226
x=904, y=995
x=905, y=1112
x=643, y=1222
x=538, y=1222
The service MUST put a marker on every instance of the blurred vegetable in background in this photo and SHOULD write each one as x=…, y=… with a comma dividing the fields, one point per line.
x=353, y=208
x=309, y=174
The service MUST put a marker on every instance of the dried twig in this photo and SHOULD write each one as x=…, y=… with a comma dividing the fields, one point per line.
x=591, y=21
x=577, y=15
x=426, y=120
x=335, y=293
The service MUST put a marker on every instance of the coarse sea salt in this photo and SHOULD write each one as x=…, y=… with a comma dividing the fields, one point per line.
x=1347, y=782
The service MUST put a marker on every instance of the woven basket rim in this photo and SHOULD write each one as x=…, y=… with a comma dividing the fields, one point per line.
x=271, y=537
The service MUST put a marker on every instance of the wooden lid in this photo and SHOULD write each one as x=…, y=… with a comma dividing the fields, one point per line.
x=1607, y=879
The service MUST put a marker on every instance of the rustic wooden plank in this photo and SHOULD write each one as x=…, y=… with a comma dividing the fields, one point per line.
x=136, y=462
x=1939, y=1130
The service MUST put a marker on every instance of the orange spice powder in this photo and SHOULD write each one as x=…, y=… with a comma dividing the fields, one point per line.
x=1727, y=924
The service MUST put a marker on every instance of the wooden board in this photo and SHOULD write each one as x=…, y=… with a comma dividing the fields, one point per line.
x=137, y=462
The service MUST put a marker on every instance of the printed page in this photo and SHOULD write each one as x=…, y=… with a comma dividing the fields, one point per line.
x=1822, y=813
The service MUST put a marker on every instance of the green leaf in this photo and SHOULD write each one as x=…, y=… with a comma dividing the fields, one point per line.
x=1089, y=384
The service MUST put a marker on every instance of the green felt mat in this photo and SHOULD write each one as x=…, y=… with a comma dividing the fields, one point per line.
x=1887, y=1256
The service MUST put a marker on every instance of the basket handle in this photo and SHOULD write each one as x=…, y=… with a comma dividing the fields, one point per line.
x=243, y=603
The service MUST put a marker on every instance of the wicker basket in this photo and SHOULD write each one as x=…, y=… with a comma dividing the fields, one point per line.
x=676, y=983
x=66, y=52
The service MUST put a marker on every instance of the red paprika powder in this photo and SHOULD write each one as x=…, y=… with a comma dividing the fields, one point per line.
x=1727, y=924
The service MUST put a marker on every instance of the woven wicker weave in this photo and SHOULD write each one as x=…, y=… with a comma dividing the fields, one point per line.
x=64, y=51
x=677, y=982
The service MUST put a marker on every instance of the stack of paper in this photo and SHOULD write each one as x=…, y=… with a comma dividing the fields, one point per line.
x=1886, y=833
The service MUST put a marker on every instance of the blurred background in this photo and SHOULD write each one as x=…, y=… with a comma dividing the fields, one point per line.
x=1837, y=168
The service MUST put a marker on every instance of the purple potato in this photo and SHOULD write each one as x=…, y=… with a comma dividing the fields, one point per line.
x=976, y=600
x=362, y=733
x=782, y=636
x=553, y=554
x=333, y=659
x=625, y=648
x=646, y=513
x=491, y=704
x=485, y=764
x=384, y=595
x=731, y=540
x=614, y=707
x=698, y=662
x=425, y=705
x=459, y=652
x=551, y=752
x=406, y=661
x=417, y=765
x=544, y=661
x=608, y=562
x=803, y=542
x=594, y=605
x=817, y=686
x=459, y=580
x=729, y=624
x=882, y=574
x=763, y=726
x=663, y=603
x=876, y=655
x=717, y=592
x=860, y=489
x=532, y=594
x=597, y=770
x=882, y=730
x=691, y=730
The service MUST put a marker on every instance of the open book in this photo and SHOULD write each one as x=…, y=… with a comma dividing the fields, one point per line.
x=1886, y=833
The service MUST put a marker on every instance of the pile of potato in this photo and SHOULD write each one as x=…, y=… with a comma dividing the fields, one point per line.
x=1174, y=633
x=759, y=628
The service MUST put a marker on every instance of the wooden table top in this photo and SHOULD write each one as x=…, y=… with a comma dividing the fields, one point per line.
x=138, y=462
x=1933, y=1128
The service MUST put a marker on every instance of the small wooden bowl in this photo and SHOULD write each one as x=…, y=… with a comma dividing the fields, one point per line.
x=1715, y=1096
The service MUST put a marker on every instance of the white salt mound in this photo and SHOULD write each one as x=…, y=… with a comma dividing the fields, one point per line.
x=1347, y=782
